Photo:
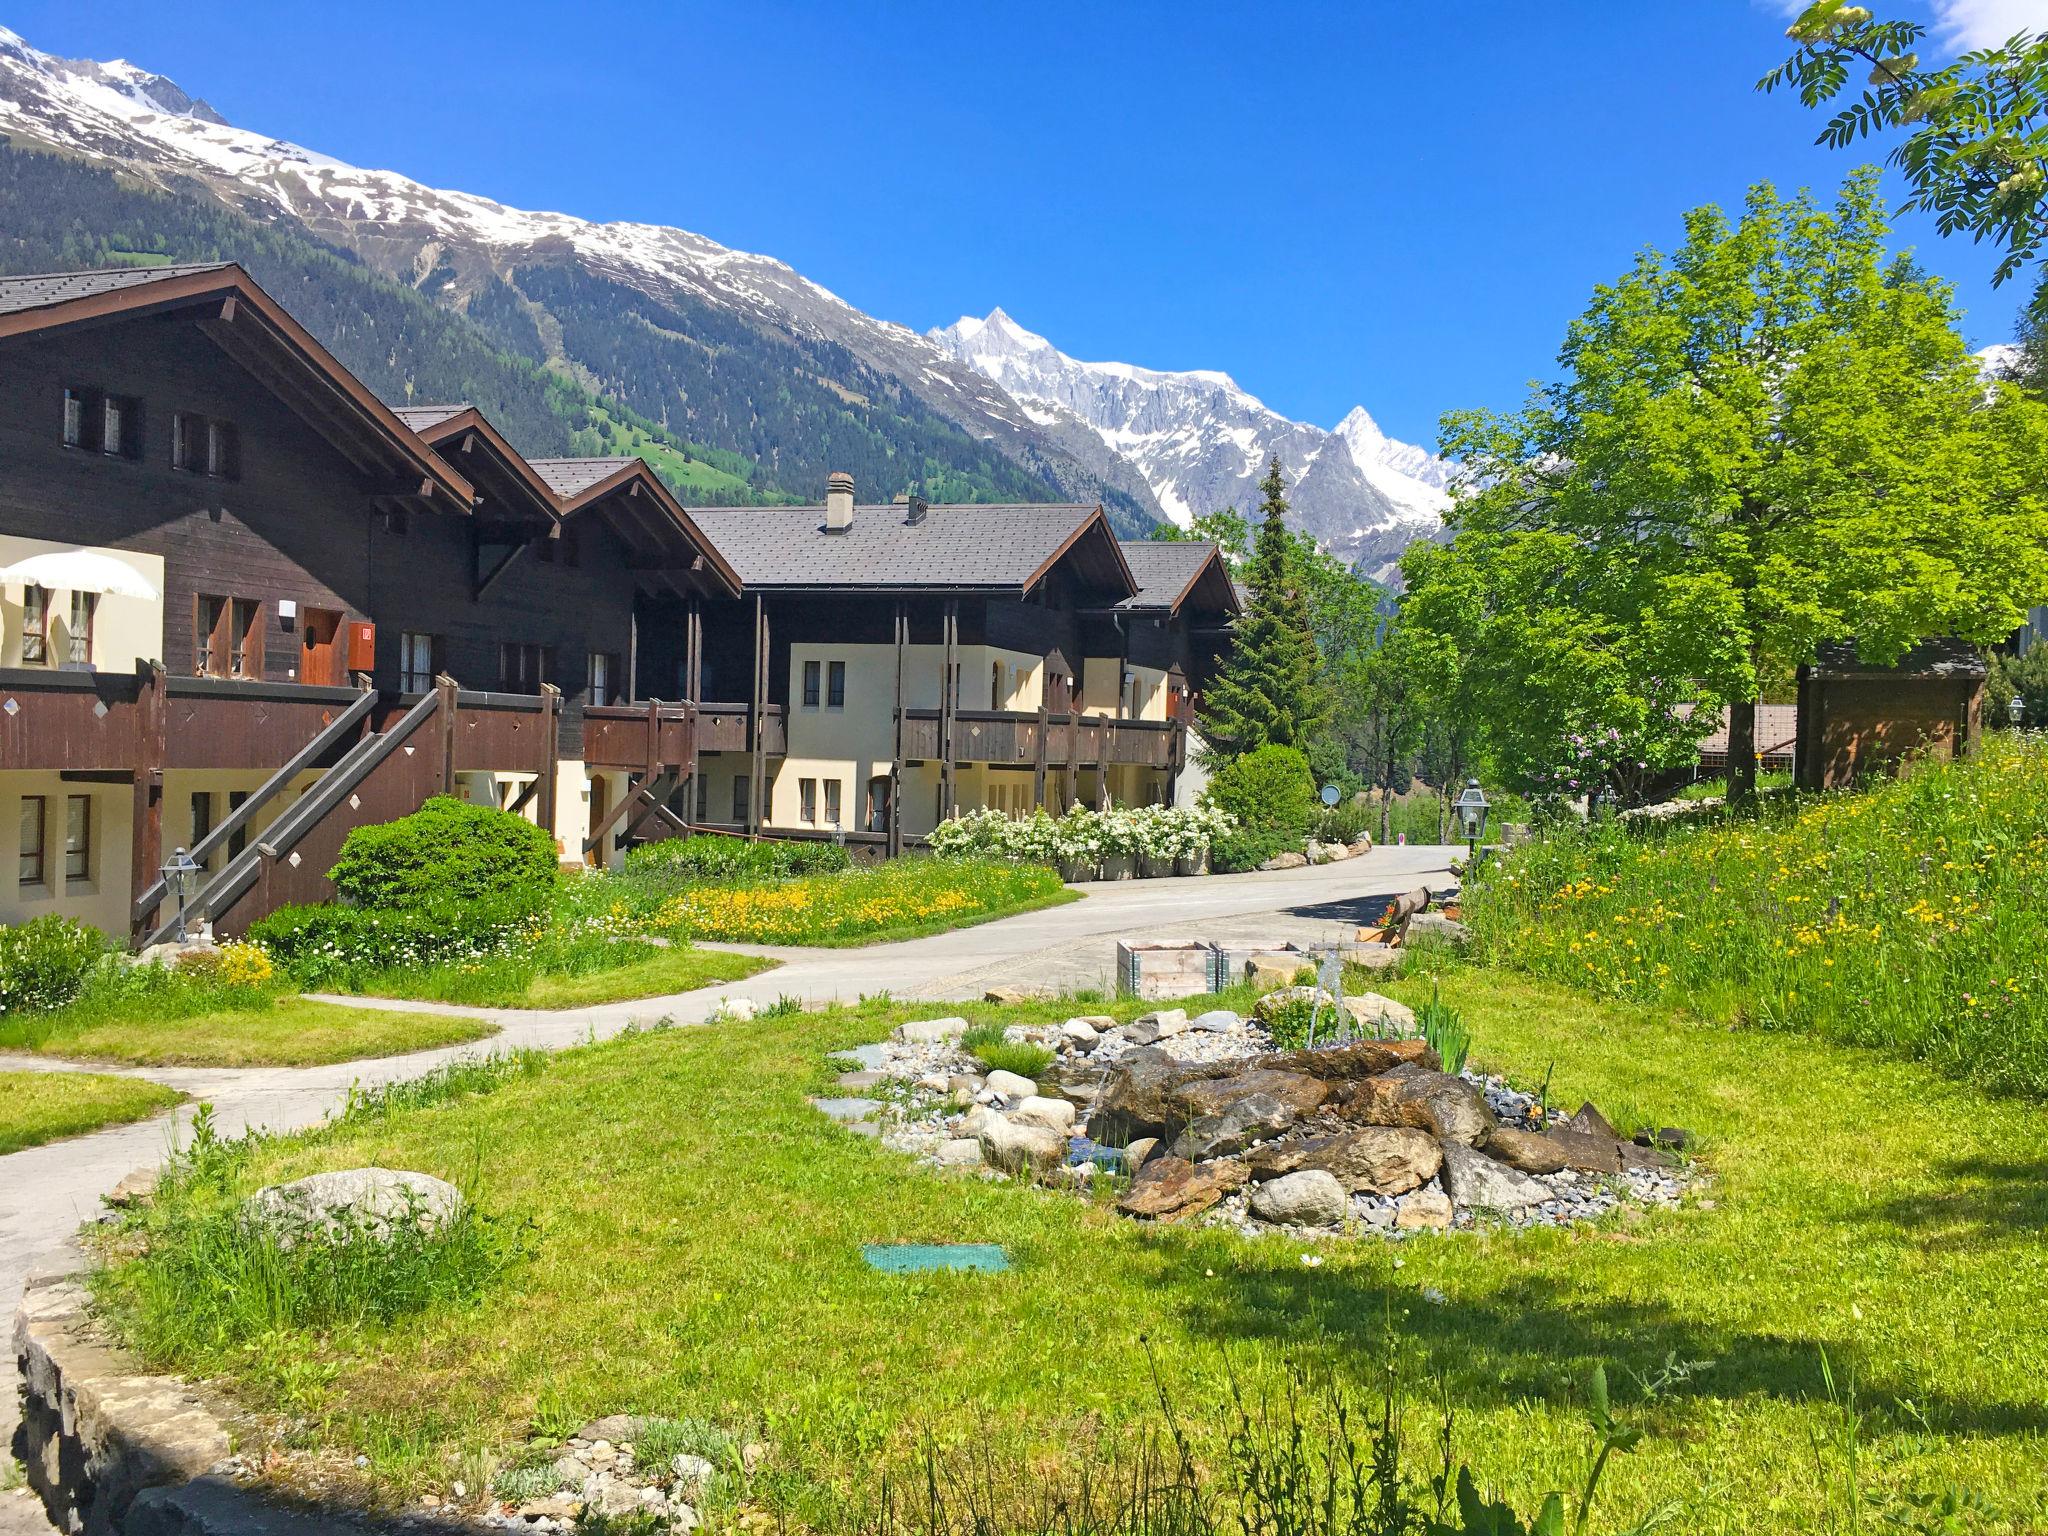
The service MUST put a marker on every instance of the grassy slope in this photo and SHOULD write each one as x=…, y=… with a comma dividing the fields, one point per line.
x=678, y=968
x=1864, y=1205
x=36, y=1107
x=293, y=1032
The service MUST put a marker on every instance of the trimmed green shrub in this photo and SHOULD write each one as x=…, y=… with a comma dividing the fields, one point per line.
x=734, y=858
x=1239, y=849
x=1267, y=791
x=447, y=851
x=44, y=962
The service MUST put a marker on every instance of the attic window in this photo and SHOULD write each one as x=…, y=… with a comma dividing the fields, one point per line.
x=102, y=423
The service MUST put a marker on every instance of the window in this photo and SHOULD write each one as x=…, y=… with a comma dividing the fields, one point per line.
x=78, y=837
x=418, y=660
x=35, y=626
x=202, y=818
x=995, y=685
x=832, y=802
x=204, y=445
x=227, y=636
x=812, y=679
x=807, y=799
x=835, y=685
x=522, y=667
x=83, y=606
x=33, y=809
x=604, y=676
x=239, y=838
x=878, y=803
x=102, y=423
x=739, y=799
x=703, y=797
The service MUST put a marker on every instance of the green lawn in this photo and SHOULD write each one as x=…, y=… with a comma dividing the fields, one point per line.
x=695, y=1234
x=508, y=984
x=36, y=1107
x=288, y=1032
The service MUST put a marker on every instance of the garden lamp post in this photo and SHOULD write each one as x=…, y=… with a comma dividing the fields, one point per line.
x=181, y=879
x=2017, y=709
x=1471, y=807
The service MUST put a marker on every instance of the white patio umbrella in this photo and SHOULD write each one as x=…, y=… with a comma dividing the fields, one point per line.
x=79, y=570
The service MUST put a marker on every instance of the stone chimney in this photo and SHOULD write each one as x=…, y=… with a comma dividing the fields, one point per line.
x=838, y=501
x=917, y=509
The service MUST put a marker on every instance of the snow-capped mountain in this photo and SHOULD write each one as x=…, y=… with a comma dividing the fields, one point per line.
x=1202, y=442
x=622, y=306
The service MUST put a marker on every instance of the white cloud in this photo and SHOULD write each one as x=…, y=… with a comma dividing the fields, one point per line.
x=1965, y=24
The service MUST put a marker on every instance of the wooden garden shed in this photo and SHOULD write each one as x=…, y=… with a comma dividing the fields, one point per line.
x=1856, y=719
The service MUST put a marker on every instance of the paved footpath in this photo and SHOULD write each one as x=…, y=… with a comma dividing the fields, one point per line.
x=47, y=1191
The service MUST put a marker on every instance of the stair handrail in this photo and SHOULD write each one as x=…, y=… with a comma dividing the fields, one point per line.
x=262, y=795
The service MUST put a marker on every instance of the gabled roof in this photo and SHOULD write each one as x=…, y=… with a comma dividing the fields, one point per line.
x=1940, y=657
x=1006, y=549
x=1173, y=573
x=253, y=330
x=641, y=507
x=504, y=480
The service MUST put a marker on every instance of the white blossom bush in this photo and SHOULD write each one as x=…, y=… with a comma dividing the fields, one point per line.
x=1157, y=833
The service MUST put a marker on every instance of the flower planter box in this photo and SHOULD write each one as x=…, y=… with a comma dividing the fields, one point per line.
x=1119, y=866
x=1154, y=971
x=1074, y=870
x=1152, y=867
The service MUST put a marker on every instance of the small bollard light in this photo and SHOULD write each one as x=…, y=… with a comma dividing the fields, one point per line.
x=2017, y=710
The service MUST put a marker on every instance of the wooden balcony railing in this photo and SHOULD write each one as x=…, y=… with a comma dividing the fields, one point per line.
x=1012, y=738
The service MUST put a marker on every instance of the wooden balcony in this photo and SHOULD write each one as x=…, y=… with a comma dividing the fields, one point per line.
x=1012, y=738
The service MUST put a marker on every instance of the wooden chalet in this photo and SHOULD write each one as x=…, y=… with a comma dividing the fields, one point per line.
x=903, y=662
x=245, y=606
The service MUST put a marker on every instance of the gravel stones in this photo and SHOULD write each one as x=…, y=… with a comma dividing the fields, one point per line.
x=1310, y=1198
x=353, y=1203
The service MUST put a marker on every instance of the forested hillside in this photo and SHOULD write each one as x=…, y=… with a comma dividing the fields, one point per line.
x=58, y=213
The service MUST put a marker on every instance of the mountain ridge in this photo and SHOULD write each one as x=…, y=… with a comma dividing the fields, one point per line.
x=732, y=349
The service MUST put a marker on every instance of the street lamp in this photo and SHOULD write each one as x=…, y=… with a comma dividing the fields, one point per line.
x=2017, y=709
x=1471, y=807
x=181, y=880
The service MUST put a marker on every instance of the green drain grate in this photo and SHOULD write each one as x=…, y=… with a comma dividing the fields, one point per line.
x=911, y=1258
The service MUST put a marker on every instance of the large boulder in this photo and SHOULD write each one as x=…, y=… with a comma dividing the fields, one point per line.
x=354, y=1203
x=931, y=1031
x=1375, y=1159
x=1310, y=1198
x=1369, y=1010
x=1011, y=1085
x=1222, y=1115
x=1052, y=1114
x=1476, y=1180
x=1584, y=1152
x=1526, y=1150
x=1324, y=1002
x=1354, y=1058
x=1169, y=1188
x=1448, y=1107
x=1423, y=1210
x=1019, y=1148
x=1435, y=928
x=1138, y=1095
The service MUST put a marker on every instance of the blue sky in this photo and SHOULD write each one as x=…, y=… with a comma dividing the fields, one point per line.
x=1397, y=203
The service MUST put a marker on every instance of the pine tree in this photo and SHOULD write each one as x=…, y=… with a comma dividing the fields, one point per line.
x=1267, y=692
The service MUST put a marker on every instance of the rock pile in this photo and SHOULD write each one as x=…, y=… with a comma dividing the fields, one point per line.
x=600, y=1470
x=1207, y=1118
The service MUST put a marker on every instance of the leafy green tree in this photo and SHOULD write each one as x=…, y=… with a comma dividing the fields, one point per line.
x=1227, y=530
x=1268, y=691
x=1975, y=149
x=1769, y=439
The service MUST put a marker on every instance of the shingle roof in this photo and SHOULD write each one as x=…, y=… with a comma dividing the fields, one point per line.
x=1164, y=569
x=570, y=478
x=421, y=417
x=972, y=546
x=42, y=289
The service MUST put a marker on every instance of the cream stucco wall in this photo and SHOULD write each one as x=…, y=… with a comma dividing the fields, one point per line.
x=102, y=897
x=126, y=630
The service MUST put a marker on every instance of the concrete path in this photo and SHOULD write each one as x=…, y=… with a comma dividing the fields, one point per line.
x=47, y=1191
